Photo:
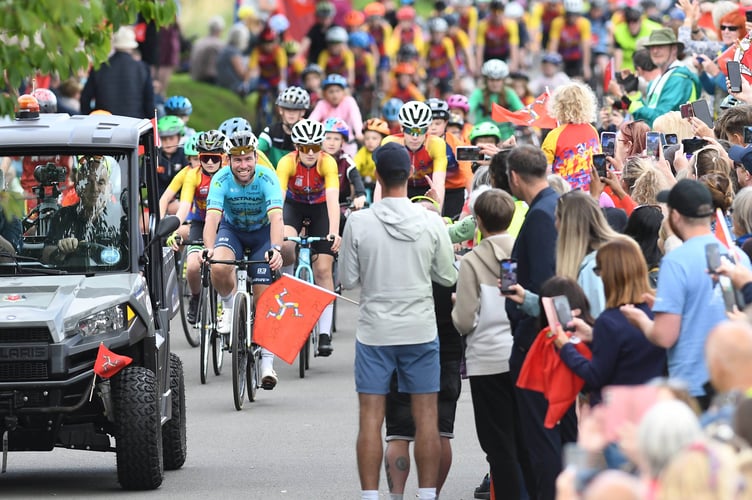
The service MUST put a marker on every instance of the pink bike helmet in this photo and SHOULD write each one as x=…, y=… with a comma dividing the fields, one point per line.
x=458, y=101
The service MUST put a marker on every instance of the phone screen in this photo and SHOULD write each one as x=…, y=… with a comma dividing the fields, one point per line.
x=608, y=143
x=713, y=256
x=563, y=310
x=672, y=139
x=734, y=70
x=600, y=163
x=468, y=153
x=693, y=144
x=654, y=145
x=686, y=111
x=508, y=275
x=701, y=110
x=748, y=16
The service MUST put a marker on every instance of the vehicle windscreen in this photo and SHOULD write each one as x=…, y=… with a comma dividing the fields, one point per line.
x=68, y=215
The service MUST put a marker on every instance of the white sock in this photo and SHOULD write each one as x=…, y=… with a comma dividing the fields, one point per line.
x=325, y=321
x=369, y=494
x=227, y=302
x=426, y=493
x=288, y=269
x=267, y=359
x=395, y=496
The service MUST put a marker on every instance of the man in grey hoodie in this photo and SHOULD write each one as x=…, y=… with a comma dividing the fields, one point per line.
x=394, y=251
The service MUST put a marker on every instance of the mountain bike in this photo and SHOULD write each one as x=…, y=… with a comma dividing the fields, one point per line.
x=246, y=354
x=304, y=271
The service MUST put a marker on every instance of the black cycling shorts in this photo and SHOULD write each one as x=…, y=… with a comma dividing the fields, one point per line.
x=294, y=212
x=399, y=418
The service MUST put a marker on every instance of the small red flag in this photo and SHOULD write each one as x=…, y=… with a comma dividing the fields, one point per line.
x=721, y=230
x=609, y=73
x=532, y=115
x=157, y=140
x=108, y=363
x=286, y=313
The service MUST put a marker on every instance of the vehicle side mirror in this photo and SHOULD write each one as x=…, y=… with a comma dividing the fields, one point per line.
x=167, y=226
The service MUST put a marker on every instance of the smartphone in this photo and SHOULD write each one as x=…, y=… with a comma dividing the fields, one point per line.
x=563, y=311
x=653, y=147
x=468, y=153
x=734, y=71
x=701, y=110
x=608, y=143
x=713, y=256
x=693, y=144
x=671, y=139
x=748, y=15
x=508, y=275
x=626, y=404
x=686, y=111
x=747, y=134
x=600, y=163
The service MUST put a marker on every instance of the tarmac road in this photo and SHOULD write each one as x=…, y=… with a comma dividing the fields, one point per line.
x=295, y=442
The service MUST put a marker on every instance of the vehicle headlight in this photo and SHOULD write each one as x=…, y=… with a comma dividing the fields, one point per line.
x=108, y=320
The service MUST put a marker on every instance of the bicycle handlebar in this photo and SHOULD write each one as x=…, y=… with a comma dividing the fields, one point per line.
x=235, y=262
x=303, y=240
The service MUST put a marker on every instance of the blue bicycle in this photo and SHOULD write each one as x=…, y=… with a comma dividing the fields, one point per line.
x=304, y=271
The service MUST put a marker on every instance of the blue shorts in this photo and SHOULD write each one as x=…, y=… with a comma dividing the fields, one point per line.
x=417, y=367
x=384, y=62
x=257, y=243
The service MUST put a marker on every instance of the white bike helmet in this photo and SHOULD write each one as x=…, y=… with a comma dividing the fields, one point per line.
x=514, y=10
x=573, y=6
x=294, y=98
x=212, y=141
x=243, y=142
x=307, y=133
x=438, y=25
x=336, y=34
x=415, y=114
x=495, y=69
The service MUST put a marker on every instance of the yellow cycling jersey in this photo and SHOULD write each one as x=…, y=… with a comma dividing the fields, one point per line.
x=177, y=181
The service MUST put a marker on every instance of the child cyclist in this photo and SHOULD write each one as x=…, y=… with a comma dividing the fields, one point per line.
x=275, y=140
x=171, y=157
x=181, y=107
x=427, y=152
x=390, y=113
x=351, y=189
x=212, y=147
x=191, y=153
x=309, y=181
x=374, y=131
x=337, y=104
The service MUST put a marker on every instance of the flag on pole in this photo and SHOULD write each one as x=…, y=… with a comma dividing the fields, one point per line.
x=721, y=230
x=157, y=140
x=532, y=115
x=108, y=363
x=609, y=73
x=285, y=314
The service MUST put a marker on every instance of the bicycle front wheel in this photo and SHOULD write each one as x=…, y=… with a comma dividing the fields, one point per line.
x=218, y=359
x=239, y=350
x=208, y=322
x=192, y=334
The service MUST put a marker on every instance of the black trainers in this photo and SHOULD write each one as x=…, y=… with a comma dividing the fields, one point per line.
x=483, y=491
x=325, y=344
x=192, y=309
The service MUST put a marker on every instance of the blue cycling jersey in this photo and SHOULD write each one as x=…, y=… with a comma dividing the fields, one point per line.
x=245, y=207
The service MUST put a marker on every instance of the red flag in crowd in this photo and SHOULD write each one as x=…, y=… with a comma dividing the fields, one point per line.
x=608, y=74
x=286, y=313
x=721, y=230
x=532, y=115
x=108, y=363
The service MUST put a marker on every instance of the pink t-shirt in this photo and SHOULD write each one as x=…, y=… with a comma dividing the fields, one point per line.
x=348, y=111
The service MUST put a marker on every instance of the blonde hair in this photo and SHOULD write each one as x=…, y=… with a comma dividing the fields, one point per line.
x=558, y=184
x=673, y=123
x=705, y=470
x=582, y=229
x=574, y=102
x=743, y=211
x=643, y=180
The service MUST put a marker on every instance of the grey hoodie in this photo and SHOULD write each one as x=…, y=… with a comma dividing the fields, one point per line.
x=479, y=310
x=393, y=251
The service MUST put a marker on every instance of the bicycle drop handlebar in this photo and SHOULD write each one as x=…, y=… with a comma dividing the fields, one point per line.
x=242, y=263
x=306, y=240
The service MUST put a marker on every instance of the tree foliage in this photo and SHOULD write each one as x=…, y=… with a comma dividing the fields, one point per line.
x=64, y=36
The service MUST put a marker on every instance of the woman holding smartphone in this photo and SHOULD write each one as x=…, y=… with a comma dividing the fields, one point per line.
x=622, y=355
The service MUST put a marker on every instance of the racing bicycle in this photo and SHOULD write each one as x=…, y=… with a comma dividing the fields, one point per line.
x=304, y=271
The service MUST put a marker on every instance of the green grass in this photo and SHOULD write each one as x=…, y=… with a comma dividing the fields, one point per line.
x=211, y=104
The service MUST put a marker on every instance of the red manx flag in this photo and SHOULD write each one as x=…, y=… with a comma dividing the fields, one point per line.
x=721, y=229
x=532, y=115
x=608, y=74
x=286, y=313
x=108, y=363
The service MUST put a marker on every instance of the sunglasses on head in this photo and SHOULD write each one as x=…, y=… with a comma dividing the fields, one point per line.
x=308, y=148
x=242, y=151
x=414, y=130
x=210, y=158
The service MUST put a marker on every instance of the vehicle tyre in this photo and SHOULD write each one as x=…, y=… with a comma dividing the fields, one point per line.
x=138, y=429
x=239, y=351
x=174, y=443
x=207, y=326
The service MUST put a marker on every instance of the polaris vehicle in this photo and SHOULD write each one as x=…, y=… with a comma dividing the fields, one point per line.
x=86, y=286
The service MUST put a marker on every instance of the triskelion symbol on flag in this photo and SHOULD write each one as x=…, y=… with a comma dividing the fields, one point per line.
x=283, y=307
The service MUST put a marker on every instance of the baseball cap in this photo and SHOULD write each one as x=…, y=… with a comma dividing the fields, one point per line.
x=392, y=161
x=742, y=155
x=688, y=197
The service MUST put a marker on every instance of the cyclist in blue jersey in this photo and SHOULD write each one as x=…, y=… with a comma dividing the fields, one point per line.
x=244, y=211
